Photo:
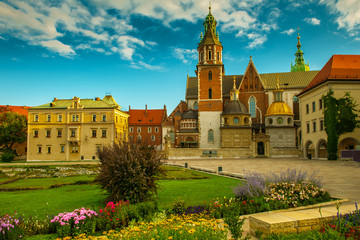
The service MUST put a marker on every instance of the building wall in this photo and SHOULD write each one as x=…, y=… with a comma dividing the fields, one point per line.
x=184, y=153
x=81, y=146
x=282, y=137
x=315, y=136
x=151, y=134
x=236, y=137
x=207, y=121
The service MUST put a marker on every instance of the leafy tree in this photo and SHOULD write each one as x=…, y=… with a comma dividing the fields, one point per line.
x=340, y=116
x=129, y=171
x=13, y=128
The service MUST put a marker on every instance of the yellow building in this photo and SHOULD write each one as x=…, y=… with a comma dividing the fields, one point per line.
x=341, y=74
x=73, y=129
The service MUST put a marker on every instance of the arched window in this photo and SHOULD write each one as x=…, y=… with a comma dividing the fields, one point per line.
x=252, y=107
x=210, y=75
x=218, y=56
x=211, y=136
x=202, y=56
x=196, y=106
x=210, y=93
x=209, y=55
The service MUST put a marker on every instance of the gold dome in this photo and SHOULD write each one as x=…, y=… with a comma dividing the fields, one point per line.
x=278, y=108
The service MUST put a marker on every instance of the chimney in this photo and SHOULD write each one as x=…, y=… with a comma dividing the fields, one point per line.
x=7, y=108
x=145, y=110
x=129, y=108
x=54, y=99
x=97, y=99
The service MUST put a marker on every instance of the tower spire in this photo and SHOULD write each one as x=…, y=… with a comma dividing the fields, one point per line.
x=299, y=65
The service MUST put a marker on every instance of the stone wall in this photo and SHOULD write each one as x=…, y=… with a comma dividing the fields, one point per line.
x=175, y=153
x=284, y=152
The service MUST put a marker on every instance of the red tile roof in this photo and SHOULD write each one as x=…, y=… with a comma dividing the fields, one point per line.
x=147, y=116
x=23, y=110
x=339, y=67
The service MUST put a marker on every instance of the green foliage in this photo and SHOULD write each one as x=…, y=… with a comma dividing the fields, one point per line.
x=234, y=222
x=13, y=128
x=340, y=116
x=7, y=157
x=128, y=172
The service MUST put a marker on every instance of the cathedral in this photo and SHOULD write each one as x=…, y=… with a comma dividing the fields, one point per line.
x=246, y=115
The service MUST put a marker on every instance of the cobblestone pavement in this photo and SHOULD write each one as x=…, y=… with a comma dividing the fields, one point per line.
x=340, y=178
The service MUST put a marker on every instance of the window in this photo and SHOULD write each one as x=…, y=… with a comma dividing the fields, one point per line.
x=152, y=137
x=313, y=106
x=279, y=120
x=75, y=149
x=246, y=120
x=131, y=129
x=149, y=129
x=196, y=106
x=139, y=139
x=321, y=124
x=156, y=129
x=210, y=76
x=94, y=117
x=48, y=119
x=307, y=127
x=307, y=108
x=270, y=121
x=314, y=126
x=48, y=133
x=72, y=133
x=59, y=118
x=210, y=93
x=236, y=120
x=93, y=133
x=59, y=133
x=75, y=118
x=39, y=149
x=252, y=107
x=131, y=138
x=289, y=120
x=211, y=136
x=36, y=133
x=209, y=55
x=36, y=118
x=104, y=118
x=48, y=149
x=320, y=103
x=103, y=133
x=202, y=56
x=139, y=129
x=218, y=56
x=62, y=148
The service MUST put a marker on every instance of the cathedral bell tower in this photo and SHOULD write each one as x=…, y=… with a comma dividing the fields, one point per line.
x=210, y=71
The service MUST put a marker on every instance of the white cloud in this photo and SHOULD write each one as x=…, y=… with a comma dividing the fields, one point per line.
x=2, y=38
x=289, y=31
x=347, y=11
x=313, y=21
x=141, y=64
x=256, y=40
x=59, y=47
x=185, y=55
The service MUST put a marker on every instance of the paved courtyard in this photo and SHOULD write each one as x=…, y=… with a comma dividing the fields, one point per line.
x=341, y=179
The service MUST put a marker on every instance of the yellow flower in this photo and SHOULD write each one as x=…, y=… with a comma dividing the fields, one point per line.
x=170, y=237
x=191, y=231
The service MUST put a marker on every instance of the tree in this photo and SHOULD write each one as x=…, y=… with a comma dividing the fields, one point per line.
x=340, y=116
x=129, y=171
x=13, y=127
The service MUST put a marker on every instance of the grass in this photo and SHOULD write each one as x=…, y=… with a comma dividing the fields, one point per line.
x=67, y=198
x=46, y=182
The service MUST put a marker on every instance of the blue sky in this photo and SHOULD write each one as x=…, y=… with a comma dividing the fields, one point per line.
x=141, y=51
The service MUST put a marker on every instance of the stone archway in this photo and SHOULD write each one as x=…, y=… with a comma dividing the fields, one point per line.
x=322, y=149
x=309, y=150
x=348, y=144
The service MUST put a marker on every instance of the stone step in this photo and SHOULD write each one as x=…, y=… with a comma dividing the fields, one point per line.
x=295, y=221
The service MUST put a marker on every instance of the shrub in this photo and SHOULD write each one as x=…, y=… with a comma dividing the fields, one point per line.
x=129, y=172
x=120, y=214
x=7, y=157
x=75, y=223
x=9, y=228
x=234, y=222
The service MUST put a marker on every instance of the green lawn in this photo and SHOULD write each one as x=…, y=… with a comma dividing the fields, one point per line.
x=46, y=182
x=197, y=188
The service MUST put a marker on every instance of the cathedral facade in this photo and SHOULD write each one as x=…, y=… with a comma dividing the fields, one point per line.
x=247, y=115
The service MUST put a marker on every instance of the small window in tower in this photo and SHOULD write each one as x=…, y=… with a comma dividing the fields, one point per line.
x=218, y=56
x=209, y=55
x=202, y=56
x=210, y=75
x=210, y=93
